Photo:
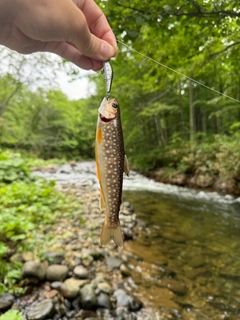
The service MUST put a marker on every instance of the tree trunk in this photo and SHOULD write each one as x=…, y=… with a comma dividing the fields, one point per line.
x=192, y=113
x=161, y=138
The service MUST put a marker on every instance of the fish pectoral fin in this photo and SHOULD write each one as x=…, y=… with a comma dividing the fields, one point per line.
x=109, y=234
x=126, y=166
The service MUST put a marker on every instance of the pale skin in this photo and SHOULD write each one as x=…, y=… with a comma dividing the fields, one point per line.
x=76, y=30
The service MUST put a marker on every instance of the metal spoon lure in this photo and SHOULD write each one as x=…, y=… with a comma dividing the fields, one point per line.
x=107, y=72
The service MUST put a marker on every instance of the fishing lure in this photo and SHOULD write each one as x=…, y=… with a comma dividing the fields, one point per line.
x=108, y=77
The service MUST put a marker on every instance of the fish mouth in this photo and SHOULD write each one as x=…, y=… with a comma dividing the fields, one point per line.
x=105, y=119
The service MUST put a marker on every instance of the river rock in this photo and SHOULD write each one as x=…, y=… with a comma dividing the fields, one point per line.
x=98, y=279
x=56, y=285
x=204, y=180
x=88, y=297
x=41, y=310
x=70, y=288
x=6, y=300
x=125, y=300
x=113, y=262
x=125, y=271
x=103, y=301
x=28, y=256
x=65, y=168
x=50, y=294
x=194, y=273
x=87, y=260
x=80, y=272
x=33, y=269
x=54, y=257
x=17, y=257
x=173, y=285
x=105, y=287
x=56, y=272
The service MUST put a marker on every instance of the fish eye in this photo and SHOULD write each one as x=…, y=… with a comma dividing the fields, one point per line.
x=115, y=105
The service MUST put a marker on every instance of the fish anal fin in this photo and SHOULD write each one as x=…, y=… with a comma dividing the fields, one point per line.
x=109, y=234
x=126, y=166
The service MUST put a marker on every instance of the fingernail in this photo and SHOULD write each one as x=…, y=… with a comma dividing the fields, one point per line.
x=107, y=51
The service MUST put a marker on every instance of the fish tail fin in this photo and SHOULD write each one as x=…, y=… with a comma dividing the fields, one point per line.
x=109, y=234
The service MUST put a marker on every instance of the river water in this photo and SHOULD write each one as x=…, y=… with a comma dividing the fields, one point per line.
x=188, y=246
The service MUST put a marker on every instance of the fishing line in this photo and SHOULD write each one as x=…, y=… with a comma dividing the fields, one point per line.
x=179, y=73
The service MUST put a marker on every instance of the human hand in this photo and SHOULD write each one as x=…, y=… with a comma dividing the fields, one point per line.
x=76, y=30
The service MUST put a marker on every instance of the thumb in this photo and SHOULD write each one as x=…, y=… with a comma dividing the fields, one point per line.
x=87, y=43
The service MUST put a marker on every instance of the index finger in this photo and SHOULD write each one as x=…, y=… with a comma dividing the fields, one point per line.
x=97, y=22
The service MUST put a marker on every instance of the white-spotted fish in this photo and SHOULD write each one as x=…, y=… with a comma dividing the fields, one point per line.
x=111, y=162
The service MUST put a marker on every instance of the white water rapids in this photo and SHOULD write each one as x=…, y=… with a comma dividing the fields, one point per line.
x=85, y=173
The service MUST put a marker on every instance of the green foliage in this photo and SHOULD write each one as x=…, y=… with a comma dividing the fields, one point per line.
x=27, y=206
x=12, y=315
x=47, y=123
x=168, y=121
x=23, y=205
x=12, y=167
x=216, y=157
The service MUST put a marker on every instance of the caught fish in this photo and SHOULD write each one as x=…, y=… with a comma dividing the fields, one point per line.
x=111, y=162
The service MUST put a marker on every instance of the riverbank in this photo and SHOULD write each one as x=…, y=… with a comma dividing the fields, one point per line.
x=206, y=182
x=76, y=279
x=73, y=278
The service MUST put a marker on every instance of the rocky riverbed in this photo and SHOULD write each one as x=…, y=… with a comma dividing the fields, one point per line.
x=76, y=279
x=165, y=271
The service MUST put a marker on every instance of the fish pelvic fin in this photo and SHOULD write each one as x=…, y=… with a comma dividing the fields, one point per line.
x=109, y=234
x=126, y=166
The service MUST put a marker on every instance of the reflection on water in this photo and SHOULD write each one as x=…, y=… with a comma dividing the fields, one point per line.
x=189, y=254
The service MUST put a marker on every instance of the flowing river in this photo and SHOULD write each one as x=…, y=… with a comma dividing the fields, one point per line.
x=188, y=245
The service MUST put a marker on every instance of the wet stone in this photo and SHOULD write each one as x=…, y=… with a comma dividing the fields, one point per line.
x=33, y=269
x=41, y=310
x=6, y=301
x=173, y=237
x=56, y=272
x=192, y=274
x=173, y=285
x=196, y=262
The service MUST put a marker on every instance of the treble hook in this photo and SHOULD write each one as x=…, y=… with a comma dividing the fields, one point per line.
x=108, y=77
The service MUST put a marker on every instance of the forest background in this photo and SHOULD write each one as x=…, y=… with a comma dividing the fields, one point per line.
x=175, y=129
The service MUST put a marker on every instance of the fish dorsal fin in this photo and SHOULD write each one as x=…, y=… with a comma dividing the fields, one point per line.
x=126, y=166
